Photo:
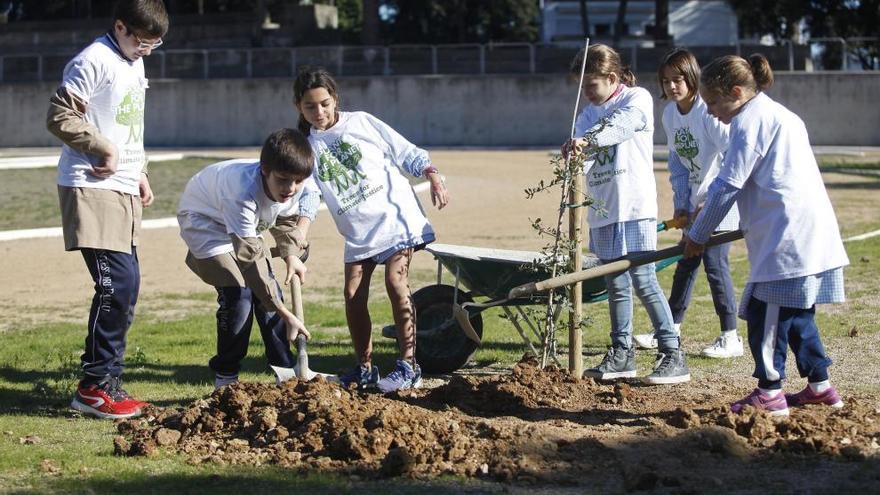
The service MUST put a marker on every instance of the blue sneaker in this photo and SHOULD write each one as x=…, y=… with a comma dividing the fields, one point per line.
x=404, y=376
x=360, y=376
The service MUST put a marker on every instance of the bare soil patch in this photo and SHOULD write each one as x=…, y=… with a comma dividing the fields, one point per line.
x=529, y=426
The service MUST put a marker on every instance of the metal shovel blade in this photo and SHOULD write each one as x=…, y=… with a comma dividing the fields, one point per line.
x=301, y=370
x=463, y=317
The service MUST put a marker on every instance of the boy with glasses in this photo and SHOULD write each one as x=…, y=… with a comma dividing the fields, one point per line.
x=98, y=113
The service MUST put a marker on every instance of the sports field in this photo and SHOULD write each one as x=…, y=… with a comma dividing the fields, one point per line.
x=533, y=431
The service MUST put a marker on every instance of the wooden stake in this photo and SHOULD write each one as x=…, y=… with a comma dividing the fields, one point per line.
x=575, y=229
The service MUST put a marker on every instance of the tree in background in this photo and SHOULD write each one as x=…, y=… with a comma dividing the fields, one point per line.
x=460, y=21
x=799, y=19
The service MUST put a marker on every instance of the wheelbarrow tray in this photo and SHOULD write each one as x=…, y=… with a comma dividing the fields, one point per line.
x=484, y=272
x=493, y=272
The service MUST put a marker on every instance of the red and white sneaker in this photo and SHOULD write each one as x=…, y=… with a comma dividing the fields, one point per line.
x=106, y=399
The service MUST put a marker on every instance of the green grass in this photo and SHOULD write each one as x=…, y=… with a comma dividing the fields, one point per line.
x=29, y=197
x=167, y=365
x=848, y=162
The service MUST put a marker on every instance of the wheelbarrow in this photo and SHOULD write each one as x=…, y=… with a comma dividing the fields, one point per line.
x=449, y=324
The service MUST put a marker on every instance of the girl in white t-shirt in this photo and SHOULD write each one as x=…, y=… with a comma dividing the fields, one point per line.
x=358, y=167
x=616, y=131
x=795, y=251
x=696, y=143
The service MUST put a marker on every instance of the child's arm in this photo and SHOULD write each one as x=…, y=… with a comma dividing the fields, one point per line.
x=66, y=117
x=719, y=200
x=681, y=189
x=249, y=254
x=291, y=232
x=413, y=159
x=614, y=128
x=403, y=154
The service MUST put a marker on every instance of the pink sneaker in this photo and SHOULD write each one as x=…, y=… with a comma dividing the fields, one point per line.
x=829, y=397
x=776, y=406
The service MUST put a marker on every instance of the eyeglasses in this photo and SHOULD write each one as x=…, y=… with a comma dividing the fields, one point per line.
x=144, y=45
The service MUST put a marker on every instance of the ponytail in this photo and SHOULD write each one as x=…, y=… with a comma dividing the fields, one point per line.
x=761, y=71
x=723, y=73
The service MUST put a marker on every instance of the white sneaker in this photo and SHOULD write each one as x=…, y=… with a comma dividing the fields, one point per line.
x=645, y=341
x=724, y=347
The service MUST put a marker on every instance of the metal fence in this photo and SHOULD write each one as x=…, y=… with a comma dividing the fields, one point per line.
x=477, y=59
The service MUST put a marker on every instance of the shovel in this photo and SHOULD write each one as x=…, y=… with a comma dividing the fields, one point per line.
x=463, y=315
x=301, y=370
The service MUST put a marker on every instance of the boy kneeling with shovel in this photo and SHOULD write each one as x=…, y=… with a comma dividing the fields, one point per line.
x=223, y=212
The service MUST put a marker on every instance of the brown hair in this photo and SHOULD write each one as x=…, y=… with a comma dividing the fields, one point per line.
x=724, y=73
x=147, y=17
x=313, y=78
x=602, y=60
x=287, y=151
x=684, y=63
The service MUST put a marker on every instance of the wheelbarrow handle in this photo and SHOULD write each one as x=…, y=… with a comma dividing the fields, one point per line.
x=614, y=267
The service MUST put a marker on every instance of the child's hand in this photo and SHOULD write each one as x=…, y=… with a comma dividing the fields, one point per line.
x=146, y=191
x=573, y=147
x=294, y=267
x=106, y=165
x=680, y=219
x=439, y=193
x=294, y=327
x=691, y=248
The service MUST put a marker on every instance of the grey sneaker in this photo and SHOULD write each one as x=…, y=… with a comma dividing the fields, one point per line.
x=403, y=377
x=619, y=362
x=670, y=367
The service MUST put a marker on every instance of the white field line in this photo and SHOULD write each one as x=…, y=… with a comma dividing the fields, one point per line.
x=862, y=237
x=156, y=223
x=52, y=160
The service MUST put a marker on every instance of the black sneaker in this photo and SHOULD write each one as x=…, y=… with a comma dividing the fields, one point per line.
x=670, y=367
x=619, y=362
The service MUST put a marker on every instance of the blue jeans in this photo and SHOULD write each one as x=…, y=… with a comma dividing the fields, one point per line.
x=117, y=278
x=714, y=261
x=644, y=280
x=772, y=330
x=235, y=316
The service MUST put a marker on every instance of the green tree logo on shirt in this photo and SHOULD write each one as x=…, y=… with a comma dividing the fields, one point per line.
x=605, y=155
x=130, y=113
x=686, y=147
x=338, y=165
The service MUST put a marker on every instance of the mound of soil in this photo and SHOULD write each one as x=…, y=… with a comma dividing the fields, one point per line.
x=530, y=426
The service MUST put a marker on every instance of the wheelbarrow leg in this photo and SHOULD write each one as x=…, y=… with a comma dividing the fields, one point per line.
x=515, y=320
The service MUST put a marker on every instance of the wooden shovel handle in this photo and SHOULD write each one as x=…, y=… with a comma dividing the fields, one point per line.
x=614, y=267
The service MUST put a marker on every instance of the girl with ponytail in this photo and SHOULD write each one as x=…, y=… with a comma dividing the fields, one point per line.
x=795, y=251
x=616, y=132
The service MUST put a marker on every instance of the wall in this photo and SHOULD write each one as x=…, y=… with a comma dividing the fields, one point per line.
x=838, y=108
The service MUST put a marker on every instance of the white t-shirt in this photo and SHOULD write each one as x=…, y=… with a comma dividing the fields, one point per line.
x=358, y=169
x=113, y=88
x=621, y=178
x=699, y=139
x=787, y=217
x=227, y=198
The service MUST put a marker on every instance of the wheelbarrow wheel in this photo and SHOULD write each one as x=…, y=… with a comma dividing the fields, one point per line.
x=441, y=344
